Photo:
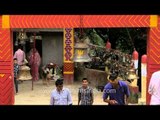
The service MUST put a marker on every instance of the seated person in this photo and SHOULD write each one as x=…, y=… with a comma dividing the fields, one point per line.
x=48, y=72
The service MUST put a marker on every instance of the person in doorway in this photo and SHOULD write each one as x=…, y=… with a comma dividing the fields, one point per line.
x=85, y=93
x=154, y=88
x=34, y=62
x=16, y=71
x=60, y=95
x=20, y=55
x=117, y=91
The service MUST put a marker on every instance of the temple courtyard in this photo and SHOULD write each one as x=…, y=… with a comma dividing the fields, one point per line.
x=40, y=95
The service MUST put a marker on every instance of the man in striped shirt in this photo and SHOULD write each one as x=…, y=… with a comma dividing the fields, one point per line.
x=85, y=93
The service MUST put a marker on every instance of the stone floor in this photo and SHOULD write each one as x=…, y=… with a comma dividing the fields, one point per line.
x=40, y=95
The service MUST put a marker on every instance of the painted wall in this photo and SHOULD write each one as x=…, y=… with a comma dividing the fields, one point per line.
x=52, y=47
x=68, y=68
x=153, y=53
x=6, y=63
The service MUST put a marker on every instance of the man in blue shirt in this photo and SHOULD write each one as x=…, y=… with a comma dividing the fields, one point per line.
x=117, y=91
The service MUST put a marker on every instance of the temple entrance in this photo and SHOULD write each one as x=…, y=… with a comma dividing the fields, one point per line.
x=49, y=45
x=11, y=22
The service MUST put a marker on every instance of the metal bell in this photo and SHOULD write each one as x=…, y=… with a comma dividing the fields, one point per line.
x=132, y=75
x=24, y=73
x=81, y=54
x=22, y=36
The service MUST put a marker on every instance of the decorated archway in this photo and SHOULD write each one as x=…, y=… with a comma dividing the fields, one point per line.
x=68, y=22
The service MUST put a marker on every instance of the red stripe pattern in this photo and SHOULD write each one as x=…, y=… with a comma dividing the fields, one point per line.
x=6, y=90
x=68, y=67
x=5, y=45
x=153, y=53
x=6, y=69
x=73, y=21
x=154, y=38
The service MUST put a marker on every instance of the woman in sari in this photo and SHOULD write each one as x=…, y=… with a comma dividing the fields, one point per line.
x=34, y=62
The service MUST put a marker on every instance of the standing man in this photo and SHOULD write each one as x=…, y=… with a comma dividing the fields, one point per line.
x=117, y=91
x=60, y=95
x=20, y=55
x=85, y=93
x=154, y=88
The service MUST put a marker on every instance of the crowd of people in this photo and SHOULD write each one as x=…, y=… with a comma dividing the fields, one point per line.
x=115, y=92
x=33, y=60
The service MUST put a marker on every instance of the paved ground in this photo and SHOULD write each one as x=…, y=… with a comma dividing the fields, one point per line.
x=41, y=94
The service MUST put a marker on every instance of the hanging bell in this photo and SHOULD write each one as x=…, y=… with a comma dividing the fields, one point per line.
x=24, y=73
x=81, y=54
x=31, y=40
x=132, y=75
x=16, y=43
x=22, y=36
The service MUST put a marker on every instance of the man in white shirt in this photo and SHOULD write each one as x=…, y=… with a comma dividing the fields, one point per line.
x=154, y=88
x=60, y=95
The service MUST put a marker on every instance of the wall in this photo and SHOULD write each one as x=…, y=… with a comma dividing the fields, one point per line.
x=52, y=47
x=6, y=63
x=153, y=53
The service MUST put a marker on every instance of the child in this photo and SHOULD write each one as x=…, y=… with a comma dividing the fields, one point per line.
x=16, y=71
x=85, y=93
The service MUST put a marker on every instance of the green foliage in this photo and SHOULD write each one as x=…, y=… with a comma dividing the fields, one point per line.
x=92, y=34
x=123, y=39
x=96, y=39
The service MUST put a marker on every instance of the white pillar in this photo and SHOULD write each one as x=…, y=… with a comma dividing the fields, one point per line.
x=143, y=79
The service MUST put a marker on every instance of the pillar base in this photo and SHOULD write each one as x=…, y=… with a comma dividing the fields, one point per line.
x=142, y=101
x=134, y=91
x=68, y=78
